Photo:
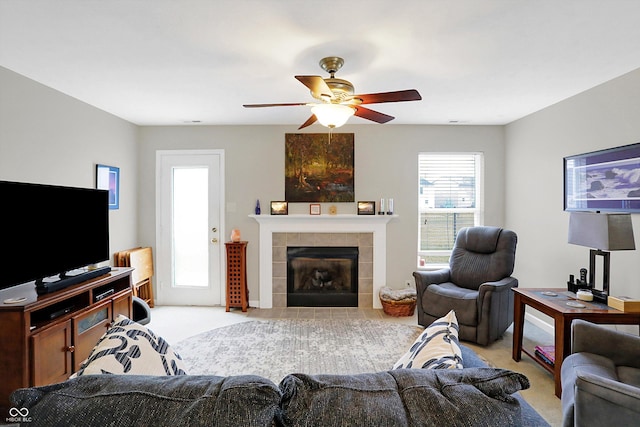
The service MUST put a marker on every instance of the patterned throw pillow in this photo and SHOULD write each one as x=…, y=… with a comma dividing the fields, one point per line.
x=436, y=348
x=128, y=348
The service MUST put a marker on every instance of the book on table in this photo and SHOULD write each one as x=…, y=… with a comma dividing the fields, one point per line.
x=546, y=353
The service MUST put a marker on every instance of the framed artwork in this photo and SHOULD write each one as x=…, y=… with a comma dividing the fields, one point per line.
x=366, y=208
x=605, y=180
x=279, y=208
x=319, y=167
x=314, y=209
x=108, y=178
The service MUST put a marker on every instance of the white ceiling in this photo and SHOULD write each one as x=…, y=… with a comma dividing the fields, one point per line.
x=169, y=62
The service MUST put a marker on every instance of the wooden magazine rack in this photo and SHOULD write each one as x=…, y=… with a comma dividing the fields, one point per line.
x=141, y=259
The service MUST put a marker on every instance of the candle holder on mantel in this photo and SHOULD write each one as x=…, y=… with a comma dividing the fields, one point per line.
x=381, y=208
x=390, y=207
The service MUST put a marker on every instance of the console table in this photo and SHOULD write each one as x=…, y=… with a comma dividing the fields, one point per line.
x=45, y=338
x=555, y=306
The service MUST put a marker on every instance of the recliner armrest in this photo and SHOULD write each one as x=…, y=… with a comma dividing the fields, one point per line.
x=502, y=285
x=622, y=348
x=426, y=278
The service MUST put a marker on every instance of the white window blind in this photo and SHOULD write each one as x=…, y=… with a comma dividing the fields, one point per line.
x=450, y=197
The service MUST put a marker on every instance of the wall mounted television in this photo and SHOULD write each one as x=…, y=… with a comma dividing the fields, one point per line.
x=51, y=230
x=604, y=180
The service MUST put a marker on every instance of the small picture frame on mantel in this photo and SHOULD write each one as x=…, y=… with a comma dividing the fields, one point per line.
x=314, y=209
x=279, y=208
x=366, y=208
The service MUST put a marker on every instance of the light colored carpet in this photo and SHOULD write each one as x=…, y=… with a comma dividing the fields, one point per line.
x=275, y=348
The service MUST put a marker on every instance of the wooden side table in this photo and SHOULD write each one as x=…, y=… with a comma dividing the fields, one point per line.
x=237, y=292
x=555, y=306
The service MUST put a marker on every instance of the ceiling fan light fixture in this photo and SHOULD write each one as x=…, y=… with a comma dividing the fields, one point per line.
x=332, y=115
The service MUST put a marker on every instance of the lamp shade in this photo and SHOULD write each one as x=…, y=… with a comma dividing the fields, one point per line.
x=606, y=232
x=332, y=115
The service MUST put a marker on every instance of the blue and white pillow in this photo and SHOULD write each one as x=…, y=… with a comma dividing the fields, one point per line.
x=128, y=348
x=436, y=348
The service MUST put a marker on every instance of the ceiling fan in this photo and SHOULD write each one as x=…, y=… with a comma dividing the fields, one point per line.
x=337, y=101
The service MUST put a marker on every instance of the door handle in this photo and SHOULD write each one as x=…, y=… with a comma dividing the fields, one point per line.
x=214, y=240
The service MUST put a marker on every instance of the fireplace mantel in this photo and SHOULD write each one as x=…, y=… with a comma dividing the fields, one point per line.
x=269, y=224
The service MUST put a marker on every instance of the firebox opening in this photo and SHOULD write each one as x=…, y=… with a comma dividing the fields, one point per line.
x=322, y=276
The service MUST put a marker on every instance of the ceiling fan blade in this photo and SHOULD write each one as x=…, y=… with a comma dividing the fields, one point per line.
x=292, y=104
x=311, y=120
x=317, y=85
x=397, y=96
x=374, y=116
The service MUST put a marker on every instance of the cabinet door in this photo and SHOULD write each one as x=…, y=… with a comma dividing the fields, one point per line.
x=88, y=327
x=51, y=352
x=122, y=305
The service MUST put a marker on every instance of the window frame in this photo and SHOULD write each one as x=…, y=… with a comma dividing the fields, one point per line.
x=478, y=210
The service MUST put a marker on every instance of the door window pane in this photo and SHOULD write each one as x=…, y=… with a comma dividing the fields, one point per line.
x=190, y=227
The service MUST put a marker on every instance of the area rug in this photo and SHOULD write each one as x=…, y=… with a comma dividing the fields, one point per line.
x=276, y=348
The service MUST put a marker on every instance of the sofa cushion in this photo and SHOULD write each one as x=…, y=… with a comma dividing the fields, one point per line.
x=136, y=400
x=437, y=347
x=438, y=299
x=474, y=396
x=629, y=375
x=129, y=348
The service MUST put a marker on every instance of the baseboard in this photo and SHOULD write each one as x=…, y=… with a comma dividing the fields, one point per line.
x=548, y=328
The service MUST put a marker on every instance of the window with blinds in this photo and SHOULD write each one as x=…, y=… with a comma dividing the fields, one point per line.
x=449, y=198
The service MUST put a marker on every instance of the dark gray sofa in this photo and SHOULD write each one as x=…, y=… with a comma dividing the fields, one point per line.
x=474, y=396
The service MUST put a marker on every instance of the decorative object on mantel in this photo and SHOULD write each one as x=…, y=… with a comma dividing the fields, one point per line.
x=257, y=210
x=235, y=235
x=279, y=208
x=366, y=208
x=333, y=210
x=314, y=209
x=605, y=180
x=381, y=208
x=390, y=207
x=319, y=169
x=604, y=232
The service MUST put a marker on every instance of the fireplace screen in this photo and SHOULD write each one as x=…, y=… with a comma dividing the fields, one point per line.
x=322, y=276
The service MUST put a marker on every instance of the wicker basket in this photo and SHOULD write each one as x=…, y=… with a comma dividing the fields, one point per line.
x=400, y=308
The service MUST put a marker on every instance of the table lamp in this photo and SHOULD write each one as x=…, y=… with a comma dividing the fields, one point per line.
x=602, y=233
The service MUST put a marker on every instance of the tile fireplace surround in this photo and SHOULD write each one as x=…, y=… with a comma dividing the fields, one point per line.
x=368, y=232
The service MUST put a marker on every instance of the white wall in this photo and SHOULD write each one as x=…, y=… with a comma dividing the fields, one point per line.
x=47, y=137
x=385, y=166
x=603, y=117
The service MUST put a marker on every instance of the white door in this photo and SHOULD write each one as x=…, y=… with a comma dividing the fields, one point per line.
x=189, y=227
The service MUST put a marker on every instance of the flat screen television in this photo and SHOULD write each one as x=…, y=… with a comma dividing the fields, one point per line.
x=51, y=230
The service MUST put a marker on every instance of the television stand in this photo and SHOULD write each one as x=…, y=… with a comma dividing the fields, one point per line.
x=45, y=337
x=66, y=281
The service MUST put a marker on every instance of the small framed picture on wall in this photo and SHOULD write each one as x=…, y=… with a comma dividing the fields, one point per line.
x=314, y=208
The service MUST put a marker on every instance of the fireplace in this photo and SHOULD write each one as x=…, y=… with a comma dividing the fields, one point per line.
x=322, y=276
x=277, y=232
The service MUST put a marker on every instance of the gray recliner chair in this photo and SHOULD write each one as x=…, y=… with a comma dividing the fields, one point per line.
x=601, y=378
x=477, y=284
